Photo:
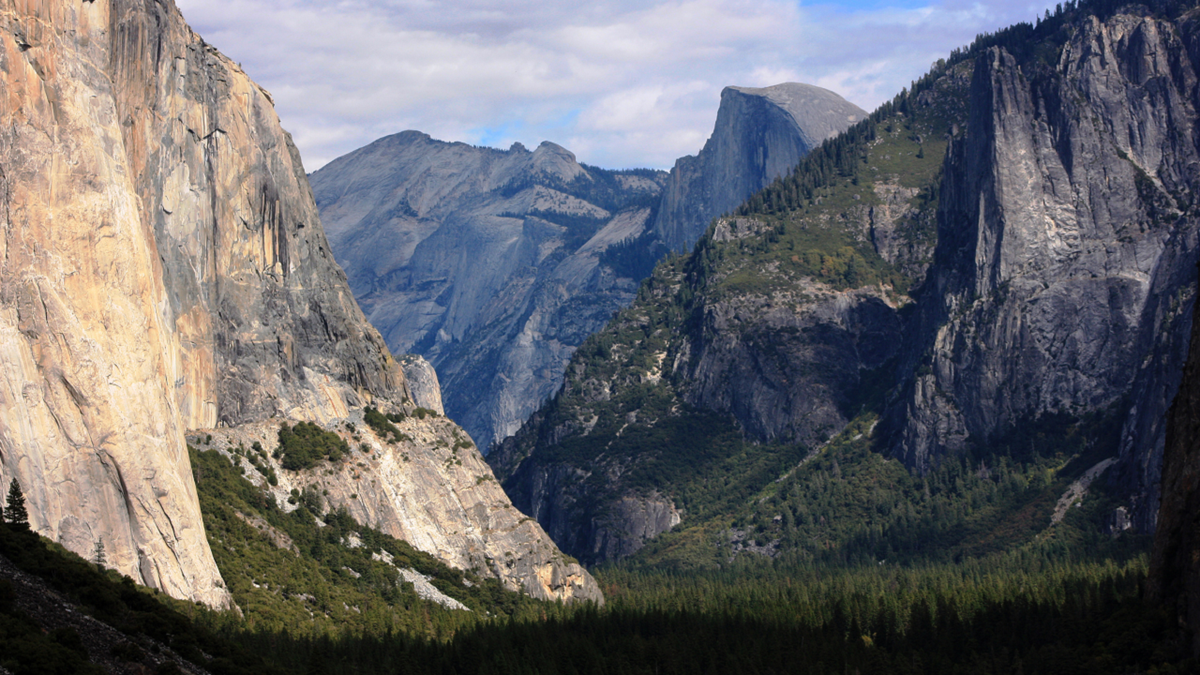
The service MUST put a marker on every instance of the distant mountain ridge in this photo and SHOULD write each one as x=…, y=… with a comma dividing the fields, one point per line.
x=489, y=263
x=495, y=265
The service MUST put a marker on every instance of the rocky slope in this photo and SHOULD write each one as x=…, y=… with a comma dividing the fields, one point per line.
x=760, y=134
x=162, y=267
x=429, y=487
x=496, y=265
x=490, y=264
x=1049, y=249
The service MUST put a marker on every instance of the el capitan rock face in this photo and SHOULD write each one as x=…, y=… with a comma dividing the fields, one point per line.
x=162, y=268
x=92, y=419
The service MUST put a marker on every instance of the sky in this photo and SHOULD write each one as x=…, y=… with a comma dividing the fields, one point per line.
x=621, y=83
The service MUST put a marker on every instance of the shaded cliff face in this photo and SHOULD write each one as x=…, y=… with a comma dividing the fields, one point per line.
x=760, y=134
x=493, y=265
x=1175, y=563
x=1063, y=280
x=431, y=488
x=162, y=268
x=1050, y=252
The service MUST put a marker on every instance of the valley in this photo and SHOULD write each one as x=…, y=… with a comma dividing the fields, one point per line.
x=906, y=391
x=495, y=265
x=912, y=327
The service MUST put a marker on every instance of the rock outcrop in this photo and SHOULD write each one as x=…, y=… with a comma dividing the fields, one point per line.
x=422, y=382
x=491, y=264
x=162, y=267
x=1064, y=273
x=431, y=488
x=760, y=135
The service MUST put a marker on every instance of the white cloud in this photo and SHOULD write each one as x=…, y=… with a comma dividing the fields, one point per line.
x=619, y=83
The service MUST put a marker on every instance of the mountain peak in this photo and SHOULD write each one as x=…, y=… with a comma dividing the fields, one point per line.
x=818, y=112
x=557, y=161
x=761, y=133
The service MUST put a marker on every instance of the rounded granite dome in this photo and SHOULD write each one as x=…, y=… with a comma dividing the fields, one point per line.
x=818, y=112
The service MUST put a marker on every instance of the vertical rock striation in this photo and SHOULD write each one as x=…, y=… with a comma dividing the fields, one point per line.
x=90, y=417
x=1063, y=278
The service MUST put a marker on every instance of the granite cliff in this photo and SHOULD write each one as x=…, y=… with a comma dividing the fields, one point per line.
x=996, y=267
x=495, y=265
x=1175, y=563
x=761, y=133
x=1067, y=237
x=162, y=268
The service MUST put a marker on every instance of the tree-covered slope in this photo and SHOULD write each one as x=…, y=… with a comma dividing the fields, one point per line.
x=930, y=339
x=736, y=361
x=308, y=570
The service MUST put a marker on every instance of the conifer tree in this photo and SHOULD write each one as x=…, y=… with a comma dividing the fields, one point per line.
x=98, y=556
x=14, y=509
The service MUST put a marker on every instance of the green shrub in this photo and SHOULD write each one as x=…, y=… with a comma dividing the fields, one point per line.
x=382, y=424
x=302, y=446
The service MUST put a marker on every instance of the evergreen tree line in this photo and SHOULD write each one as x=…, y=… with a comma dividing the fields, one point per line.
x=150, y=621
x=1062, y=618
x=1026, y=612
